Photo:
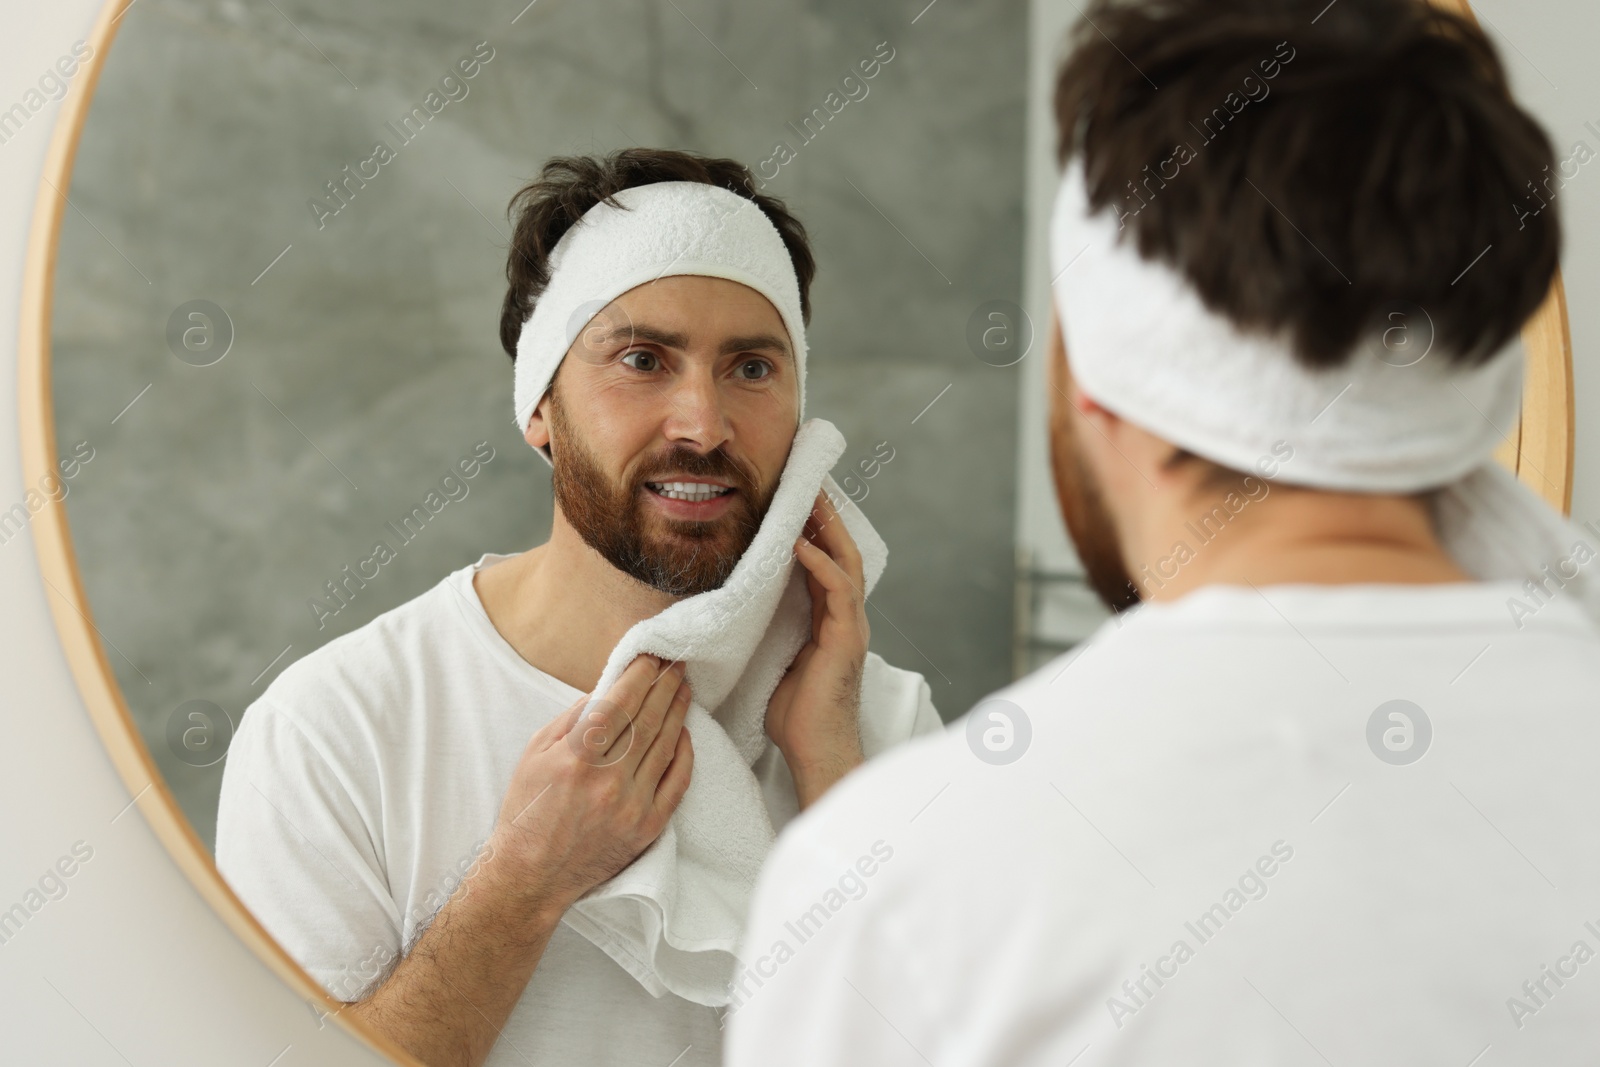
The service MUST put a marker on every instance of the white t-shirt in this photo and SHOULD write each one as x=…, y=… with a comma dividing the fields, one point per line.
x=364, y=783
x=1200, y=814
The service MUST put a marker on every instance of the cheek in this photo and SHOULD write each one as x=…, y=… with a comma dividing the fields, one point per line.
x=622, y=415
x=766, y=423
x=609, y=427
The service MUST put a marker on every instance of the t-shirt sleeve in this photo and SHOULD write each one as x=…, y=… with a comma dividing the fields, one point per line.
x=896, y=705
x=293, y=843
x=927, y=720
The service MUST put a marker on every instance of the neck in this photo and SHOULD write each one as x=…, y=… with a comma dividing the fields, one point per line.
x=563, y=607
x=1288, y=535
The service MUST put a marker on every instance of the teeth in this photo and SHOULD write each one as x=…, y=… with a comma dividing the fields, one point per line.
x=692, y=491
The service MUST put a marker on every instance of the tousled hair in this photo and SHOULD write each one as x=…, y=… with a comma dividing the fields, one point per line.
x=1383, y=162
x=568, y=186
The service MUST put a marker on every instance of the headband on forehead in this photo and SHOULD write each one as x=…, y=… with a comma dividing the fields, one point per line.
x=656, y=231
x=1393, y=419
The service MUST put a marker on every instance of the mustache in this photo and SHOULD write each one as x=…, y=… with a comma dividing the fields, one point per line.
x=713, y=464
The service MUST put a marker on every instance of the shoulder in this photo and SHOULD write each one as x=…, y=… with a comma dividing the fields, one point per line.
x=891, y=789
x=967, y=765
x=886, y=681
x=896, y=705
x=368, y=677
x=371, y=651
x=321, y=738
x=919, y=874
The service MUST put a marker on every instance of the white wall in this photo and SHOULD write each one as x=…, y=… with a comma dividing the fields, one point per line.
x=1547, y=46
x=130, y=966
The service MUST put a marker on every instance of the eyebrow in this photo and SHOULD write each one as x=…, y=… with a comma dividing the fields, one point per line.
x=757, y=342
x=655, y=335
x=643, y=332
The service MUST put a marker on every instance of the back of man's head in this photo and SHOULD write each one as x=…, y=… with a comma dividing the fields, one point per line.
x=1380, y=137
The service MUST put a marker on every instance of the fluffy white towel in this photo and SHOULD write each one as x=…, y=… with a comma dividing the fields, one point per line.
x=651, y=232
x=673, y=918
x=1143, y=344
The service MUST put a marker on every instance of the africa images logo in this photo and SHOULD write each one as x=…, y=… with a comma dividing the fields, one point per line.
x=998, y=732
x=1399, y=732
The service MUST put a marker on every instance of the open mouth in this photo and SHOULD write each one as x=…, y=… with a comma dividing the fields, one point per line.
x=692, y=492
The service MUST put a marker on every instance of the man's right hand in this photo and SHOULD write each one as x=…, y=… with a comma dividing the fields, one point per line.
x=594, y=788
x=588, y=795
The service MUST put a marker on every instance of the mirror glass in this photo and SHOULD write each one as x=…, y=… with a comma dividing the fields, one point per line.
x=275, y=327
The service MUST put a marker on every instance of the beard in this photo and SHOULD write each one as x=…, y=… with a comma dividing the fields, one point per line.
x=678, y=557
x=1083, y=506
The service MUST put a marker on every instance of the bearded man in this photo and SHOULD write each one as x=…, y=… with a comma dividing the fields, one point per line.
x=479, y=897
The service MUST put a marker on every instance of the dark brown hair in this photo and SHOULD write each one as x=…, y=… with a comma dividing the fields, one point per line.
x=1388, y=159
x=568, y=186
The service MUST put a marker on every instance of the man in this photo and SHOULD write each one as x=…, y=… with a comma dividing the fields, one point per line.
x=384, y=812
x=1326, y=794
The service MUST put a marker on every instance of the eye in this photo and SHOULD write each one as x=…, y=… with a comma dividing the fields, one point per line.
x=646, y=360
x=753, y=370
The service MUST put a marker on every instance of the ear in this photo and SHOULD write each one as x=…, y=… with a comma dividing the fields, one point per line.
x=1089, y=408
x=538, y=432
x=1066, y=386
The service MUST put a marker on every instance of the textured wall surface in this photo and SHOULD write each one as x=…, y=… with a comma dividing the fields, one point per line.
x=365, y=362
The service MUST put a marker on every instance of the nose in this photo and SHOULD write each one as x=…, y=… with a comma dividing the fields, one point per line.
x=695, y=415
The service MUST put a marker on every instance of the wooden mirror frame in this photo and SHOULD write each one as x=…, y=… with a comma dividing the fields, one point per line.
x=74, y=617
x=1539, y=449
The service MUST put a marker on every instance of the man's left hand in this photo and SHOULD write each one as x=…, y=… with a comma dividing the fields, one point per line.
x=813, y=716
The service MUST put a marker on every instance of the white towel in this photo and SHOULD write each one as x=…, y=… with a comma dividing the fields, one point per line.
x=1142, y=343
x=673, y=918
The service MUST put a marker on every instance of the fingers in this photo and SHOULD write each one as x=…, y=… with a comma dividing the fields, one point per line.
x=558, y=727
x=827, y=531
x=606, y=727
x=659, y=753
x=842, y=590
x=834, y=568
x=675, y=782
x=610, y=725
x=651, y=713
x=634, y=685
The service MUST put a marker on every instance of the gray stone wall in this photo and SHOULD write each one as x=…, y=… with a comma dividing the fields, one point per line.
x=364, y=360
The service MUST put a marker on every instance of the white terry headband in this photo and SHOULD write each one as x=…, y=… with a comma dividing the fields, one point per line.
x=1141, y=343
x=659, y=230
